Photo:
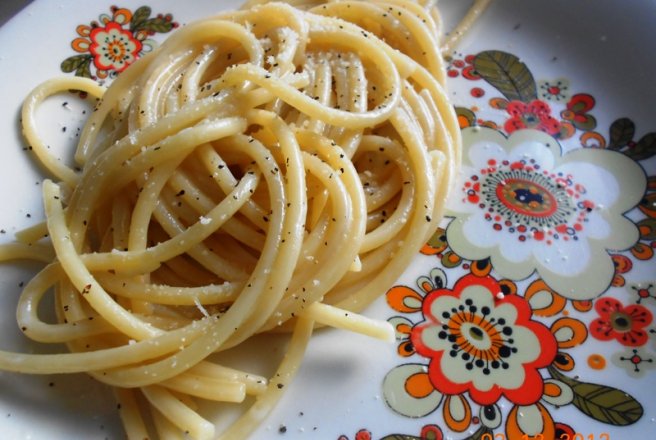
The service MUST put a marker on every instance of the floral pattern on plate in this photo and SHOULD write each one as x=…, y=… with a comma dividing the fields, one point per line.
x=483, y=342
x=504, y=298
x=500, y=326
x=528, y=207
x=551, y=235
x=108, y=46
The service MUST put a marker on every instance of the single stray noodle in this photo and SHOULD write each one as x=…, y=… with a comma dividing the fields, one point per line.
x=272, y=168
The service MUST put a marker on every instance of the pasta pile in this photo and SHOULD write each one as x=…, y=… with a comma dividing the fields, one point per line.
x=274, y=168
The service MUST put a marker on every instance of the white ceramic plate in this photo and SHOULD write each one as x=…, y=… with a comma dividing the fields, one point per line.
x=557, y=190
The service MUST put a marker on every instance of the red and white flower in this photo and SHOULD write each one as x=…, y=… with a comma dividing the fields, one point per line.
x=528, y=206
x=535, y=114
x=484, y=343
x=113, y=48
x=624, y=324
x=109, y=45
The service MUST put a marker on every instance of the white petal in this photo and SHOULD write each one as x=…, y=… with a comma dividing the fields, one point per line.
x=398, y=398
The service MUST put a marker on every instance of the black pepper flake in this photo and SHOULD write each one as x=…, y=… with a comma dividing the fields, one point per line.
x=180, y=193
x=282, y=429
x=280, y=386
x=428, y=218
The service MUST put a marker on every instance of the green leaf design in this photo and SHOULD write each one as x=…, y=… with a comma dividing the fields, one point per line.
x=603, y=403
x=467, y=114
x=139, y=17
x=648, y=228
x=621, y=133
x=438, y=239
x=508, y=74
x=589, y=123
x=84, y=69
x=73, y=63
x=156, y=25
x=644, y=149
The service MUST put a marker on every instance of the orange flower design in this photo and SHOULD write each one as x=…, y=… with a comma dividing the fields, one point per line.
x=484, y=343
x=113, y=48
x=108, y=46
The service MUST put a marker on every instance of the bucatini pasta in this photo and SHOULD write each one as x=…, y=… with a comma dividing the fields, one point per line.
x=266, y=169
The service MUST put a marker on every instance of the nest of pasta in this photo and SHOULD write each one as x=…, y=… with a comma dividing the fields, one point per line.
x=272, y=168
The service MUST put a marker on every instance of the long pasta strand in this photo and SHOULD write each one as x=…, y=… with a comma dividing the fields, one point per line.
x=269, y=169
